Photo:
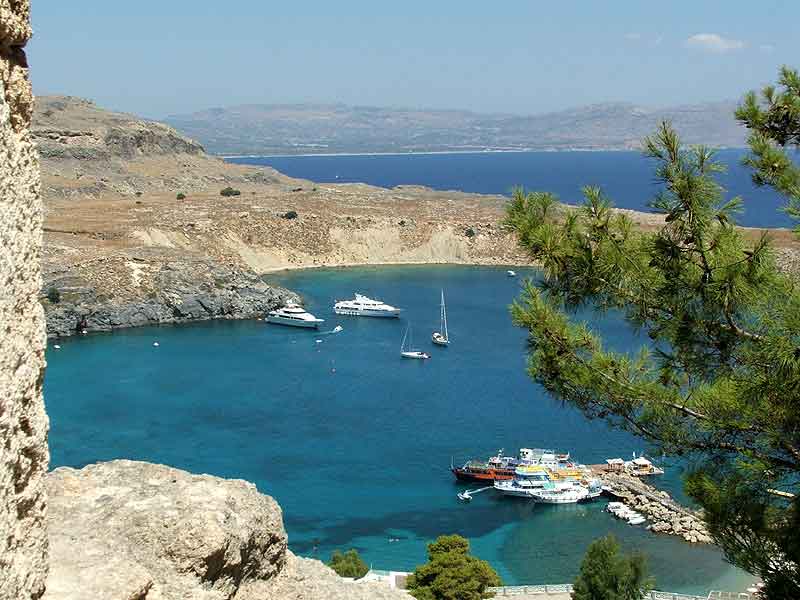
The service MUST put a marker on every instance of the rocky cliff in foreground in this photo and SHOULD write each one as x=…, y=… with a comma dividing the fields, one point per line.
x=23, y=421
x=138, y=531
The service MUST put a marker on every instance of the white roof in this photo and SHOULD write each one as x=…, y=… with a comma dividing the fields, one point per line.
x=615, y=461
x=641, y=460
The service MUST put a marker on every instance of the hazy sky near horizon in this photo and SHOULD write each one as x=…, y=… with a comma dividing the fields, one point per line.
x=176, y=56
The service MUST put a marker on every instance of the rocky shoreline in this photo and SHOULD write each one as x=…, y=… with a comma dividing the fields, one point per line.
x=665, y=514
x=181, y=294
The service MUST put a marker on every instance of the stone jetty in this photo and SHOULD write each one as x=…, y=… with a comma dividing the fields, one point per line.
x=662, y=511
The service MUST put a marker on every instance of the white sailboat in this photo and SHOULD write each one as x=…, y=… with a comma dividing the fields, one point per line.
x=440, y=338
x=411, y=353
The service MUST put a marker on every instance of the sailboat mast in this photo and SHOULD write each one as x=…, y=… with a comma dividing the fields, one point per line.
x=403, y=343
x=443, y=325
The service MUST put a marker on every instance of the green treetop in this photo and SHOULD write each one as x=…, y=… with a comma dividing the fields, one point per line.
x=607, y=574
x=451, y=573
x=348, y=564
x=720, y=382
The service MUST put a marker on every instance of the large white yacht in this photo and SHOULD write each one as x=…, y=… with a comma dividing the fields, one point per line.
x=361, y=306
x=294, y=316
x=527, y=479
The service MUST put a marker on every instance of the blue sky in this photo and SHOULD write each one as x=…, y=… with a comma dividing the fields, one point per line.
x=172, y=56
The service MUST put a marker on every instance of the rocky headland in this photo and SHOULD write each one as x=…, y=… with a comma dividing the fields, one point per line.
x=139, y=531
x=121, y=248
x=136, y=231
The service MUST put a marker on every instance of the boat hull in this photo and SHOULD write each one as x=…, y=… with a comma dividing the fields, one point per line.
x=437, y=339
x=415, y=355
x=352, y=312
x=482, y=476
x=294, y=322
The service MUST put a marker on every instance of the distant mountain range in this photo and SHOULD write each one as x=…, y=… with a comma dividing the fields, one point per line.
x=320, y=128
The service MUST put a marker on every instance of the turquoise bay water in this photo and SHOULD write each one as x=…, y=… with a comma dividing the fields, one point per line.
x=353, y=441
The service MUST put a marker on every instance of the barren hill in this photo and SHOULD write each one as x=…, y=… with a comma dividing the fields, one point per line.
x=87, y=151
x=121, y=249
x=303, y=128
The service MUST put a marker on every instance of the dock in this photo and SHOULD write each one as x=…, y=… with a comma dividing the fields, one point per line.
x=664, y=513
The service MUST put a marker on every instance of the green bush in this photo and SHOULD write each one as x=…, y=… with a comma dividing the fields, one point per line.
x=470, y=232
x=291, y=214
x=451, y=573
x=348, y=564
x=54, y=295
x=608, y=574
x=229, y=191
x=180, y=196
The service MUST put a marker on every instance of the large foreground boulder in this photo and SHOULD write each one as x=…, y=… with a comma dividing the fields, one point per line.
x=132, y=530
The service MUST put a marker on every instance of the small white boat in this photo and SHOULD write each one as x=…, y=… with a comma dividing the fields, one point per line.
x=511, y=273
x=294, y=316
x=636, y=519
x=464, y=496
x=409, y=353
x=440, y=338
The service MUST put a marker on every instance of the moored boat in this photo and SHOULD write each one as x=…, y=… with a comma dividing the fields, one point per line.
x=496, y=468
x=567, y=492
x=526, y=480
x=294, y=316
x=361, y=306
x=440, y=338
x=409, y=353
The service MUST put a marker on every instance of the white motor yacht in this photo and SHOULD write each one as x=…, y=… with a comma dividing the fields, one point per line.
x=294, y=316
x=361, y=306
x=527, y=480
x=568, y=492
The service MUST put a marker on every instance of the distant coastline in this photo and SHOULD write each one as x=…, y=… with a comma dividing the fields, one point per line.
x=437, y=152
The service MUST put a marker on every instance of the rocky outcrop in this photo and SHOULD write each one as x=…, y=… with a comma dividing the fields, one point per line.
x=23, y=422
x=136, y=530
x=176, y=291
x=90, y=152
x=664, y=514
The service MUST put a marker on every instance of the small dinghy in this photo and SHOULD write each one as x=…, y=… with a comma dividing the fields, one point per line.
x=511, y=273
x=409, y=353
x=464, y=496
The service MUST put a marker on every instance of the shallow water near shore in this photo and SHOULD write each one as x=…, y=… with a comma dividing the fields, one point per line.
x=354, y=442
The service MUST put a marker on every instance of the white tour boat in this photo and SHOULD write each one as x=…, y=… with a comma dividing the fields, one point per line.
x=440, y=338
x=294, y=316
x=409, y=353
x=511, y=273
x=527, y=480
x=361, y=306
x=567, y=492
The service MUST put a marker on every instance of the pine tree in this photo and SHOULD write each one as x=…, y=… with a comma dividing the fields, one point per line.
x=719, y=383
x=607, y=574
x=348, y=564
x=451, y=573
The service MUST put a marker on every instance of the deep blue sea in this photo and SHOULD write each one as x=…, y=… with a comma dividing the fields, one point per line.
x=626, y=177
x=353, y=441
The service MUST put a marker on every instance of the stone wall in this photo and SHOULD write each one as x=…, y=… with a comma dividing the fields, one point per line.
x=23, y=422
